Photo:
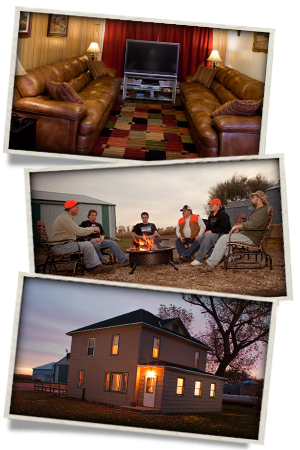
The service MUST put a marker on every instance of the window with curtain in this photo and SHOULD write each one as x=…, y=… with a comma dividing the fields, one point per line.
x=115, y=344
x=198, y=388
x=80, y=382
x=91, y=347
x=155, y=349
x=116, y=382
x=196, y=361
x=180, y=386
x=212, y=390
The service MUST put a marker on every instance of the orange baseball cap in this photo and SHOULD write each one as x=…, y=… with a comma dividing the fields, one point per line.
x=70, y=203
x=215, y=201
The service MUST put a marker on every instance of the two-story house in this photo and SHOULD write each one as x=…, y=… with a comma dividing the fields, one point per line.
x=138, y=359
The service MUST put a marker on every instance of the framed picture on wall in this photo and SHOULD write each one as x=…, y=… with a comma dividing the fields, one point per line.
x=25, y=22
x=58, y=25
x=261, y=42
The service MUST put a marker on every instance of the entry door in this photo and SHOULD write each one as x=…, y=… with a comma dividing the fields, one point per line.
x=149, y=392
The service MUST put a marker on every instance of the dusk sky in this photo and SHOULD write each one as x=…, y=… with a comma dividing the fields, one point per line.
x=51, y=308
x=159, y=190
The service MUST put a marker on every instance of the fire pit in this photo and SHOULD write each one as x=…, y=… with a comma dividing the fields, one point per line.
x=155, y=257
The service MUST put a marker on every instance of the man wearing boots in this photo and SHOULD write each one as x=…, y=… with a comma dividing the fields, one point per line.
x=218, y=223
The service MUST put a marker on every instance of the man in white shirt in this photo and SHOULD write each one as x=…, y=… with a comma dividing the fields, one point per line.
x=189, y=228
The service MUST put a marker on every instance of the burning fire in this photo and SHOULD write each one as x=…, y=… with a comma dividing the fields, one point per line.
x=143, y=244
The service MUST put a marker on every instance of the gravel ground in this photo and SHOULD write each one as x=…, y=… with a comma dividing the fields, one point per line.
x=262, y=282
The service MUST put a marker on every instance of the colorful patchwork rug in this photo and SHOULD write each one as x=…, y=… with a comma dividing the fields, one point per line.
x=147, y=132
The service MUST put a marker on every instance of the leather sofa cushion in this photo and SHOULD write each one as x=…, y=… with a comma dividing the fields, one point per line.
x=62, y=71
x=223, y=94
x=195, y=90
x=242, y=86
x=80, y=82
x=76, y=66
x=195, y=105
x=33, y=83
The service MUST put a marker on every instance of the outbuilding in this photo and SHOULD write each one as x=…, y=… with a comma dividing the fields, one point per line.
x=244, y=206
x=47, y=206
x=43, y=373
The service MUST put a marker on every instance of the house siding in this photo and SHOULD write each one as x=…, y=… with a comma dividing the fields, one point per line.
x=188, y=403
x=96, y=366
x=172, y=349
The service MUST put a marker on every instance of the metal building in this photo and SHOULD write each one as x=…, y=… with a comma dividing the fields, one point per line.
x=47, y=206
x=244, y=206
x=44, y=373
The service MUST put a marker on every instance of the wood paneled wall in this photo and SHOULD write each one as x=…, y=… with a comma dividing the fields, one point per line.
x=39, y=49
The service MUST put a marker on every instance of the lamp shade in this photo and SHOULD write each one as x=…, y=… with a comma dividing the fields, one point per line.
x=214, y=56
x=93, y=48
x=19, y=68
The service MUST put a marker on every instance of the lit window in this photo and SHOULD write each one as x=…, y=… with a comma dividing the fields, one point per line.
x=115, y=344
x=212, y=390
x=91, y=347
x=80, y=379
x=180, y=386
x=156, y=345
x=116, y=382
x=150, y=385
x=198, y=387
x=197, y=357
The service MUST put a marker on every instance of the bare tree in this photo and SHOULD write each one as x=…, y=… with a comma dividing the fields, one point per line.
x=234, y=330
x=237, y=188
x=168, y=312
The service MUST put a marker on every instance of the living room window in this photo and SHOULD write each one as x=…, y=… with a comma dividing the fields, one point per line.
x=80, y=382
x=180, y=386
x=115, y=344
x=196, y=361
x=212, y=393
x=156, y=347
x=198, y=388
x=91, y=347
x=116, y=382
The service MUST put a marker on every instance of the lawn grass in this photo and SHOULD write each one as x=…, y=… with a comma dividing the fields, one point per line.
x=235, y=421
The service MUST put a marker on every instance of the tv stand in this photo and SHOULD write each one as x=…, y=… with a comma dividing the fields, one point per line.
x=148, y=86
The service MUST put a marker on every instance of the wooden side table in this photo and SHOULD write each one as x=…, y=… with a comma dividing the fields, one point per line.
x=22, y=137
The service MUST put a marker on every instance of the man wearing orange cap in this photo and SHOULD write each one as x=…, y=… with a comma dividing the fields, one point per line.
x=247, y=232
x=218, y=223
x=65, y=229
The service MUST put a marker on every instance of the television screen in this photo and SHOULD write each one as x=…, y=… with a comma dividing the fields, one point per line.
x=151, y=57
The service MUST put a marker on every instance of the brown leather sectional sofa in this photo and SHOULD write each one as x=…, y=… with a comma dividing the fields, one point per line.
x=66, y=127
x=224, y=135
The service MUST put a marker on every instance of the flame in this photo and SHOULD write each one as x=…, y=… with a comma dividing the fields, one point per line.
x=143, y=244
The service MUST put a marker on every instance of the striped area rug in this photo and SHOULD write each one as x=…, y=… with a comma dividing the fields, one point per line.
x=147, y=132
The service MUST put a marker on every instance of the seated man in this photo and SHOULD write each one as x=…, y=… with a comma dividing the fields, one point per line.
x=98, y=239
x=147, y=228
x=218, y=224
x=257, y=220
x=189, y=228
x=64, y=228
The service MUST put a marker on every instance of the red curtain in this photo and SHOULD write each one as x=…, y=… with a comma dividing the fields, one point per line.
x=195, y=43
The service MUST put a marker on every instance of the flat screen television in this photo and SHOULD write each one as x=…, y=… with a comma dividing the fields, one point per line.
x=150, y=58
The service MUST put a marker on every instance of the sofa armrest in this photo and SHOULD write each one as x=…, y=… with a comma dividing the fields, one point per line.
x=65, y=110
x=111, y=72
x=237, y=124
x=189, y=78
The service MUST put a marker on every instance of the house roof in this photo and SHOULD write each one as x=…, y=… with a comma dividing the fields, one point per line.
x=276, y=186
x=179, y=367
x=62, y=197
x=45, y=366
x=136, y=317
